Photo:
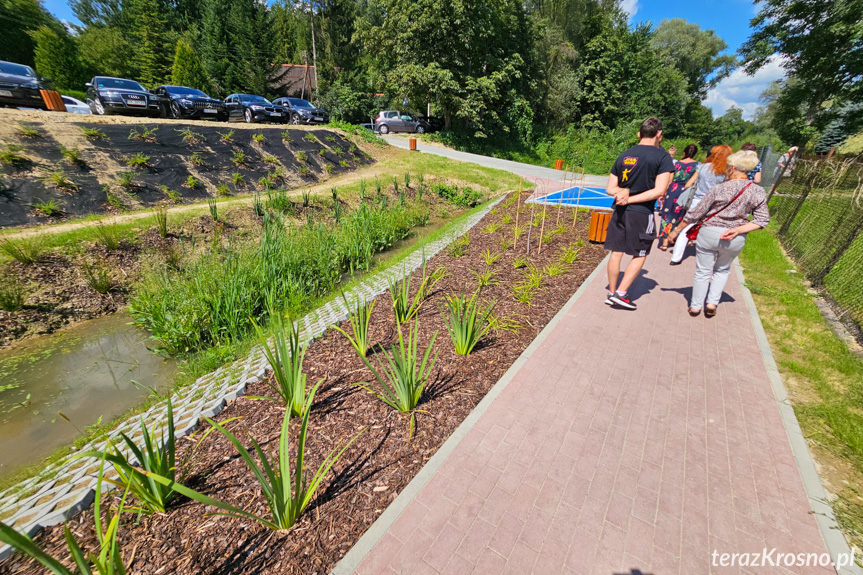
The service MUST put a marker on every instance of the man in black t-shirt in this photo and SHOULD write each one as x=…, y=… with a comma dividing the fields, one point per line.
x=639, y=177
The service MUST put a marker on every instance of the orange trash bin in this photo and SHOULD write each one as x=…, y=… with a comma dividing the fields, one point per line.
x=412, y=143
x=558, y=164
x=53, y=101
x=599, y=226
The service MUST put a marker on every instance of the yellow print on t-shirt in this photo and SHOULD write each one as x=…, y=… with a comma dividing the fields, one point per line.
x=628, y=161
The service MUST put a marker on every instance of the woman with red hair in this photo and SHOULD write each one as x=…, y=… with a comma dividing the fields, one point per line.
x=710, y=173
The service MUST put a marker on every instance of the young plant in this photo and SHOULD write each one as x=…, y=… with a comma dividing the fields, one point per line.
x=197, y=159
x=192, y=182
x=13, y=156
x=139, y=160
x=223, y=190
x=302, y=157
x=360, y=316
x=405, y=375
x=524, y=294
x=97, y=277
x=362, y=189
x=329, y=169
x=93, y=133
x=307, y=198
x=172, y=195
x=533, y=276
x=126, y=180
x=286, y=359
x=112, y=198
x=467, y=321
x=518, y=232
x=12, y=294
x=108, y=236
x=519, y=262
x=395, y=184
x=72, y=156
x=160, y=215
x=28, y=132
x=489, y=257
x=286, y=136
x=506, y=219
x=214, y=209
x=238, y=179
x=269, y=159
x=491, y=228
x=226, y=137
x=309, y=137
x=330, y=138
x=258, y=205
x=239, y=158
x=403, y=308
x=505, y=244
x=322, y=152
x=485, y=278
x=554, y=269
x=266, y=182
x=49, y=208
x=569, y=254
x=338, y=151
x=459, y=247
x=190, y=137
x=61, y=182
x=259, y=138
x=407, y=179
x=143, y=134
x=286, y=498
x=303, y=171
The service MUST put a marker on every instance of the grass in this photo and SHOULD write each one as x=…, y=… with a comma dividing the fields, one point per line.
x=72, y=156
x=28, y=132
x=93, y=133
x=60, y=182
x=48, y=208
x=13, y=156
x=824, y=377
x=108, y=235
x=160, y=215
x=143, y=134
x=489, y=257
x=467, y=321
x=97, y=276
x=13, y=294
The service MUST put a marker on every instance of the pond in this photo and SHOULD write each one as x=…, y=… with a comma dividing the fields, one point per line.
x=91, y=372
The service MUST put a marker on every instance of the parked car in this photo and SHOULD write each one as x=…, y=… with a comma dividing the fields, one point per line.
x=182, y=102
x=74, y=105
x=250, y=108
x=19, y=86
x=303, y=111
x=107, y=95
x=396, y=121
x=367, y=126
x=434, y=124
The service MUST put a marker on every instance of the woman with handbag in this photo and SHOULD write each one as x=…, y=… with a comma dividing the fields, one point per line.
x=721, y=222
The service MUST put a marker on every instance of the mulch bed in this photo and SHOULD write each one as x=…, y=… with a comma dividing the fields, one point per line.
x=380, y=463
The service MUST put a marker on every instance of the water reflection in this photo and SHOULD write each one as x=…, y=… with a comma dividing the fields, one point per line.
x=97, y=369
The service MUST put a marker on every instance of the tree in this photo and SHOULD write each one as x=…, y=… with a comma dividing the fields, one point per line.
x=57, y=58
x=100, y=13
x=820, y=43
x=19, y=18
x=106, y=50
x=694, y=52
x=152, y=46
x=187, y=69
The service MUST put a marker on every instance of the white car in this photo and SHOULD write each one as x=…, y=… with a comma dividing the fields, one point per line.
x=74, y=105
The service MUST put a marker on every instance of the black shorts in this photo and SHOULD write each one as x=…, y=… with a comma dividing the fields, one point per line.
x=631, y=232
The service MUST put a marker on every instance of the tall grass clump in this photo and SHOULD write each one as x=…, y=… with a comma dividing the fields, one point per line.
x=214, y=298
x=25, y=250
x=108, y=236
x=360, y=316
x=12, y=294
x=286, y=497
x=97, y=276
x=286, y=359
x=467, y=321
x=160, y=215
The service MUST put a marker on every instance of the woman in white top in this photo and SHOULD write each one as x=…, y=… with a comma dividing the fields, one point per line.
x=709, y=174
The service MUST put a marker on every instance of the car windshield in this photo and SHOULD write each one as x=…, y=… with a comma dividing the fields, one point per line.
x=183, y=91
x=118, y=84
x=253, y=99
x=17, y=69
x=297, y=103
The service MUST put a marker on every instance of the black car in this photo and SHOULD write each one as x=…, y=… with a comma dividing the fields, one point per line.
x=433, y=124
x=182, y=102
x=302, y=111
x=250, y=108
x=19, y=86
x=107, y=95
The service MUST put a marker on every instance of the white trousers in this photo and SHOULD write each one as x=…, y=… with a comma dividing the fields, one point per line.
x=713, y=259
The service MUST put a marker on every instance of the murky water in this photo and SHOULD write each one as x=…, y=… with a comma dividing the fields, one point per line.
x=97, y=369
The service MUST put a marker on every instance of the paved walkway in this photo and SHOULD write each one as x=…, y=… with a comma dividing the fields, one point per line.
x=627, y=443
x=538, y=175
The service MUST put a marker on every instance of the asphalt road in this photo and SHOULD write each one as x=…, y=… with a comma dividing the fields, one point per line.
x=537, y=174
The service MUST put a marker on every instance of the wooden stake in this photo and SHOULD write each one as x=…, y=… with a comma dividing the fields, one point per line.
x=517, y=210
x=560, y=199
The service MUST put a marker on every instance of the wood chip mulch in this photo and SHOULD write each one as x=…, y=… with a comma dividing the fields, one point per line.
x=381, y=462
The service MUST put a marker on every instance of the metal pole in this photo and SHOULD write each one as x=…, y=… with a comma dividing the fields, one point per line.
x=314, y=52
x=530, y=226
x=517, y=210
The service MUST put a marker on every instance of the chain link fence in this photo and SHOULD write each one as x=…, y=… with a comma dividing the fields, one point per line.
x=819, y=210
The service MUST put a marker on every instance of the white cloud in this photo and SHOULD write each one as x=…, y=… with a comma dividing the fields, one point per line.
x=741, y=90
x=630, y=7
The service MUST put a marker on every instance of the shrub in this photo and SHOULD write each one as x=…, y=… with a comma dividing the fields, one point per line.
x=12, y=294
x=465, y=198
x=222, y=190
x=61, y=182
x=108, y=236
x=97, y=277
x=126, y=180
x=238, y=179
x=27, y=250
x=143, y=133
x=139, y=160
x=192, y=182
x=286, y=360
x=28, y=132
x=160, y=215
x=405, y=376
x=72, y=156
x=49, y=208
x=360, y=315
x=467, y=322
x=13, y=156
x=93, y=133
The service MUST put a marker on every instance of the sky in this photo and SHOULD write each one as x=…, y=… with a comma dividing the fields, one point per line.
x=728, y=18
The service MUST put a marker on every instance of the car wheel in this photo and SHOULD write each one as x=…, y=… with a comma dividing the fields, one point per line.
x=247, y=114
x=421, y=130
x=384, y=129
x=176, y=112
x=295, y=118
x=100, y=108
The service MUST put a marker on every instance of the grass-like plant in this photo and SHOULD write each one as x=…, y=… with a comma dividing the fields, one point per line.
x=377, y=186
x=362, y=189
x=238, y=179
x=172, y=195
x=239, y=158
x=72, y=156
x=214, y=209
x=222, y=190
x=519, y=262
x=93, y=133
x=309, y=137
x=192, y=182
x=226, y=137
x=458, y=248
x=270, y=159
x=489, y=257
x=302, y=157
x=554, y=269
x=524, y=293
x=108, y=236
x=405, y=375
x=286, y=136
x=286, y=359
x=143, y=133
x=97, y=276
x=395, y=181
x=329, y=169
x=307, y=198
x=138, y=160
x=407, y=179
x=330, y=138
x=485, y=278
x=467, y=321
x=126, y=180
x=197, y=159
x=48, y=208
x=506, y=219
x=403, y=307
x=533, y=276
x=505, y=244
x=360, y=315
x=266, y=182
x=286, y=498
x=303, y=170
x=108, y=561
x=28, y=131
x=13, y=156
x=322, y=152
x=569, y=254
x=259, y=138
x=160, y=215
x=257, y=205
x=491, y=228
x=12, y=293
x=60, y=182
x=518, y=231
x=190, y=137
x=352, y=148
x=344, y=163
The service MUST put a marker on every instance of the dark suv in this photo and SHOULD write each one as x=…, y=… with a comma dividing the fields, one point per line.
x=250, y=108
x=107, y=95
x=303, y=111
x=182, y=102
x=19, y=86
x=395, y=121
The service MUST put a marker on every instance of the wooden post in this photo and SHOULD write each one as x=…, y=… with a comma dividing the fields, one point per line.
x=517, y=210
x=530, y=226
x=560, y=200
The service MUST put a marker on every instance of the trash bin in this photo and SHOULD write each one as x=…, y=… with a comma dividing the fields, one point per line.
x=599, y=226
x=412, y=143
x=558, y=164
x=53, y=101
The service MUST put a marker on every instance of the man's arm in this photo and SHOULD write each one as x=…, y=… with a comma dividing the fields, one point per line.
x=659, y=189
x=613, y=189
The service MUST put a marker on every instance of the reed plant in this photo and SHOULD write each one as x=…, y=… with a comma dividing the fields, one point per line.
x=108, y=235
x=97, y=276
x=27, y=250
x=160, y=215
x=489, y=257
x=467, y=321
x=214, y=209
x=12, y=293
x=285, y=356
x=360, y=314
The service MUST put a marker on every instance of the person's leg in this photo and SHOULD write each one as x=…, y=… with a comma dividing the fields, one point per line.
x=633, y=268
x=680, y=245
x=613, y=270
x=722, y=268
x=705, y=260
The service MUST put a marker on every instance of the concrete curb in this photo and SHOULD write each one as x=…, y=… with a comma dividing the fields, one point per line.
x=361, y=548
x=824, y=517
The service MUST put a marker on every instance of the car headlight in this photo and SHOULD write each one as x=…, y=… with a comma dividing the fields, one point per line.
x=186, y=103
x=256, y=107
x=111, y=94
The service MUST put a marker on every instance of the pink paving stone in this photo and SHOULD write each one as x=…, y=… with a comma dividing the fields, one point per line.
x=590, y=462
